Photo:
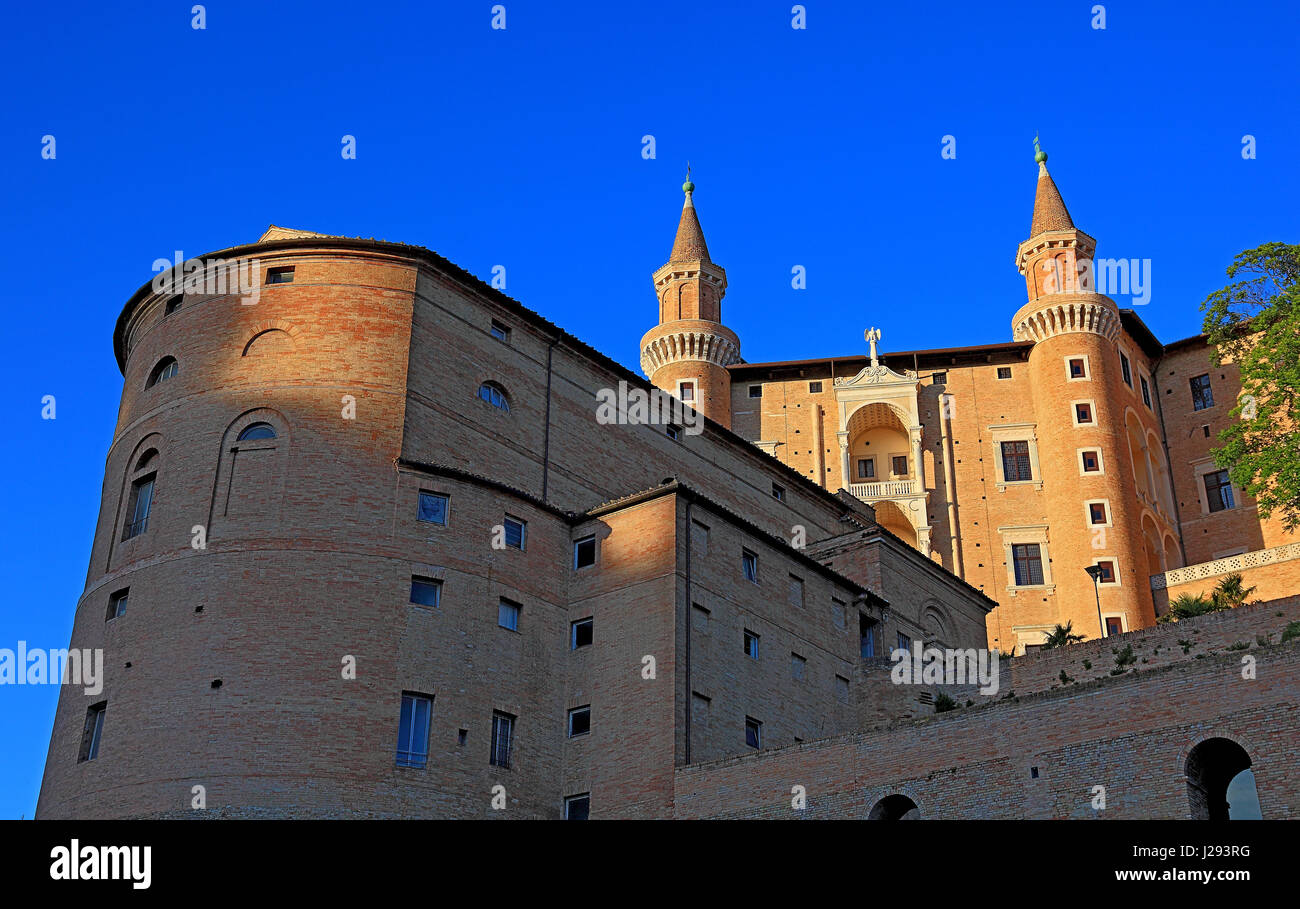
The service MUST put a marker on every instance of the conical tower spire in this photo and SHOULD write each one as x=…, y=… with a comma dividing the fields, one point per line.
x=1050, y=212
x=689, y=243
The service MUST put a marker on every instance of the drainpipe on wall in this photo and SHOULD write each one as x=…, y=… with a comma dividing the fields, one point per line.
x=819, y=462
x=690, y=617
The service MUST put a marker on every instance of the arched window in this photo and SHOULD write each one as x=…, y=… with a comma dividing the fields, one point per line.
x=140, y=498
x=895, y=808
x=256, y=431
x=495, y=395
x=166, y=368
x=1220, y=784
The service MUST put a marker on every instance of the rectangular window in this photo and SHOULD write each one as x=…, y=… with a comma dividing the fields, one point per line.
x=426, y=591
x=515, y=532
x=1091, y=462
x=1082, y=413
x=1146, y=391
x=503, y=734
x=1097, y=513
x=756, y=391
x=173, y=304
x=117, y=604
x=673, y=432
x=797, y=666
x=413, y=730
x=939, y=378
x=1028, y=564
x=140, y=503
x=686, y=391
x=1114, y=625
x=814, y=388
x=580, y=721
x=898, y=465
x=778, y=492
x=796, y=592
x=280, y=275
x=508, y=615
x=584, y=552
x=1015, y=462
x=1004, y=372
x=904, y=641
x=1107, y=575
x=432, y=508
x=1218, y=491
x=753, y=732
x=1126, y=369
x=577, y=807
x=749, y=565
x=866, y=636
x=1202, y=397
x=499, y=331
x=751, y=644
x=866, y=468
x=581, y=633
x=93, y=731
x=1077, y=368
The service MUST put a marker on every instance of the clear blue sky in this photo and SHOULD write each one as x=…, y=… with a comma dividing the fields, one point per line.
x=522, y=148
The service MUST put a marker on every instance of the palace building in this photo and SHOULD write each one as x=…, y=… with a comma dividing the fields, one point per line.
x=364, y=549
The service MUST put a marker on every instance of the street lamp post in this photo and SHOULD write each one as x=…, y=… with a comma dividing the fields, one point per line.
x=1094, y=572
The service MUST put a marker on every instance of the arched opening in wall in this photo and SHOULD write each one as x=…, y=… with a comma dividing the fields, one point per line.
x=935, y=624
x=1173, y=558
x=895, y=808
x=880, y=452
x=271, y=341
x=1137, y=455
x=1164, y=490
x=1151, y=542
x=495, y=395
x=164, y=370
x=1220, y=785
x=891, y=516
x=251, y=475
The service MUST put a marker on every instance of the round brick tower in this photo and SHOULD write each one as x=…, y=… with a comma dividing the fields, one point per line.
x=1090, y=497
x=688, y=352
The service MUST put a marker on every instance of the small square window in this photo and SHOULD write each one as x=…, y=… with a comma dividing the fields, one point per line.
x=500, y=332
x=778, y=491
x=749, y=565
x=515, y=532
x=1091, y=461
x=280, y=275
x=1097, y=513
x=751, y=644
x=93, y=731
x=866, y=468
x=579, y=721
x=173, y=304
x=898, y=465
x=577, y=807
x=426, y=592
x=756, y=391
x=814, y=388
x=673, y=432
x=584, y=552
x=797, y=666
x=939, y=378
x=753, y=732
x=581, y=633
x=432, y=508
x=508, y=615
x=117, y=604
x=1078, y=368
x=1004, y=372
x=1083, y=413
x=686, y=392
x=1107, y=571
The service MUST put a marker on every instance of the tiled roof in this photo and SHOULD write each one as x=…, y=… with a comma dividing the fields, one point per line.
x=1050, y=212
x=689, y=243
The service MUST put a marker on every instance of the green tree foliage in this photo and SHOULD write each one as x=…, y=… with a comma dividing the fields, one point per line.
x=1229, y=593
x=1062, y=635
x=1254, y=323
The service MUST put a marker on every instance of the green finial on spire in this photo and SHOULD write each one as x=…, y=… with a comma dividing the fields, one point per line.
x=1039, y=155
x=688, y=187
